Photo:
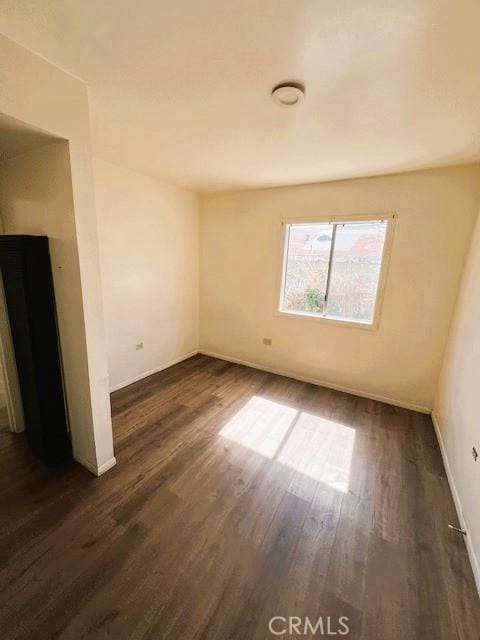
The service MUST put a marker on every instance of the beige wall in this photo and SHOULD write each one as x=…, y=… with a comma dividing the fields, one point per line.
x=399, y=362
x=457, y=407
x=149, y=255
x=42, y=96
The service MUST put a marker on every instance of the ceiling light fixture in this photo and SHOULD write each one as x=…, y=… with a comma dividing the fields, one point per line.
x=288, y=94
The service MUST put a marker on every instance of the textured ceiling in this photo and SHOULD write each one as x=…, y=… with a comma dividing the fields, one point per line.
x=180, y=89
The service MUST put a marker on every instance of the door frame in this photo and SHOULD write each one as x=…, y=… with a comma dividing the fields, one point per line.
x=16, y=418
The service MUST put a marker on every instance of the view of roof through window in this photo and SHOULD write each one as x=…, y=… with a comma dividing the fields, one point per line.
x=333, y=269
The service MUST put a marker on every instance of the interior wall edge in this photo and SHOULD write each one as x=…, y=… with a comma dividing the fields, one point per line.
x=474, y=561
x=93, y=467
x=149, y=176
x=320, y=383
x=208, y=195
x=146, y=374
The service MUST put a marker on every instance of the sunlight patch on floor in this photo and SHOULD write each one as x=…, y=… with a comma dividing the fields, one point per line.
x=316, y=447
x=260, y=425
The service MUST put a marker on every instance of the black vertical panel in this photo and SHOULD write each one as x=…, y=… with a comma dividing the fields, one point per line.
x=29, y=295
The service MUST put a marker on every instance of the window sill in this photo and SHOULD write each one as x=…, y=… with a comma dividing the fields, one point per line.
x=355, y=324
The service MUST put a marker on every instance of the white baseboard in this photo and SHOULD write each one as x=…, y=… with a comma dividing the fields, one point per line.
x=458, y=505
x=320, y=383
x=106, y=466
x=145, y=374
x=97, y=471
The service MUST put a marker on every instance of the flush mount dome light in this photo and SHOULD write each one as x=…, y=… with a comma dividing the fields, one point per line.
x=288, y=94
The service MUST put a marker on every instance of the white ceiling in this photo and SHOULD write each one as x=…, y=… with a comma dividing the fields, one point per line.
x=180, y=89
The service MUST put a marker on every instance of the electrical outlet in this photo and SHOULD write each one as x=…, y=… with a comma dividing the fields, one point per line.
x=474, y=454
x=267, y=341
x=139, y=346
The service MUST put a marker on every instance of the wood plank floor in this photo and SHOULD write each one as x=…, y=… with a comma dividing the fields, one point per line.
x=238, y=496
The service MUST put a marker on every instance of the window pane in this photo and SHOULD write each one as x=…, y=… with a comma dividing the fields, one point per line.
x=306, y=267
x=357, y=258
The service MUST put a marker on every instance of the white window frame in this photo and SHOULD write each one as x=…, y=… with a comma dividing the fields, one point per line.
x=390, y=218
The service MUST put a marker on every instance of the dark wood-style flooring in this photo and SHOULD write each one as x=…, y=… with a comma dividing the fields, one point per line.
x=238, y=495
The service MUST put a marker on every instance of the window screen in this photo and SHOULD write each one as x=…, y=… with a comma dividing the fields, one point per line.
x=332, y=270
